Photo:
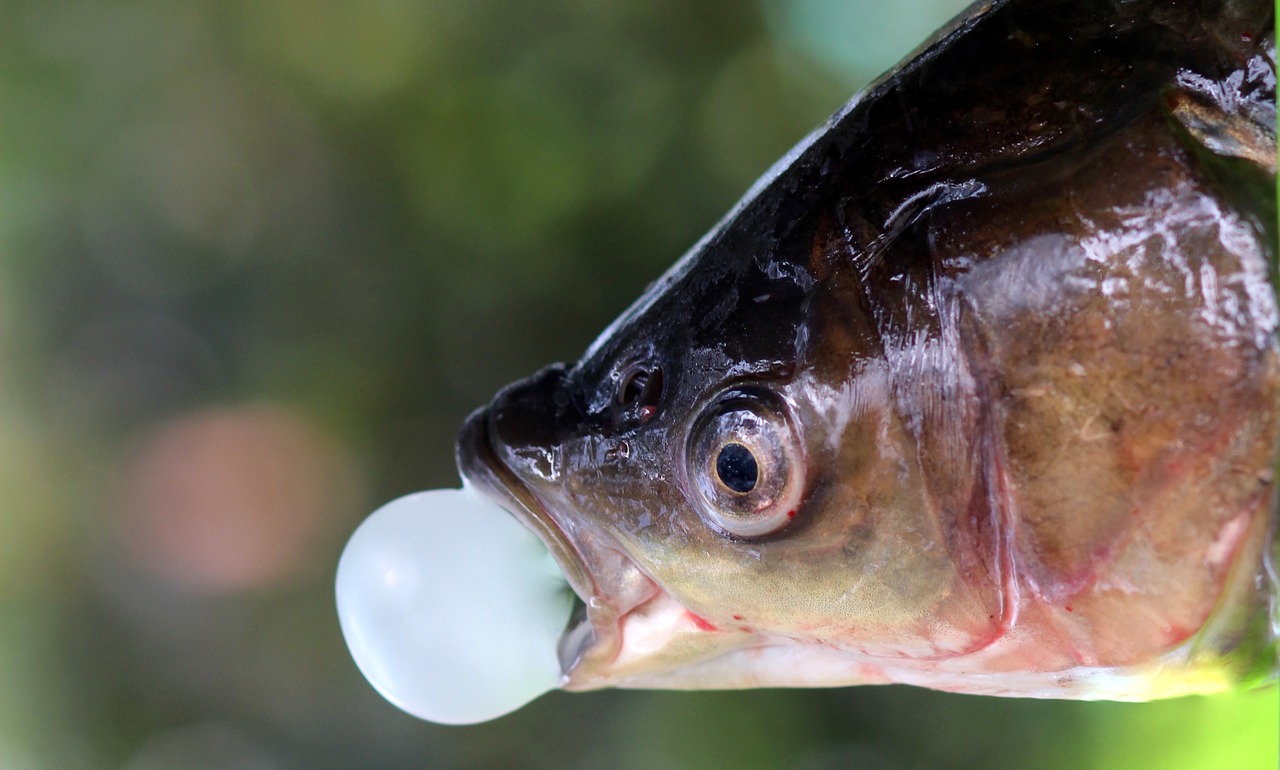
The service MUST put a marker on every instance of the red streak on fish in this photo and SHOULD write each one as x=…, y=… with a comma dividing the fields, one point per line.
x=700, y=622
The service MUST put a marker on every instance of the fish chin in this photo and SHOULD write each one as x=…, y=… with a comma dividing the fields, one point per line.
x=655, y=644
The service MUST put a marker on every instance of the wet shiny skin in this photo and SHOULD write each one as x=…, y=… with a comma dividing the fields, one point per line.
x=1010, y=321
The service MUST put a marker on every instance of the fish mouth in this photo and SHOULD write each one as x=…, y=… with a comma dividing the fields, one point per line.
x=609, y=595
x=481, y=467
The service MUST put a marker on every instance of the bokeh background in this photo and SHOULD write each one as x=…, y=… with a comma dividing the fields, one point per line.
x=258, y=258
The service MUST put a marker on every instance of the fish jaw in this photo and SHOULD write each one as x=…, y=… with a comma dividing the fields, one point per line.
x=629, y=631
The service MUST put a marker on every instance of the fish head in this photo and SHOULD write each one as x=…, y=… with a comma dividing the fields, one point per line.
x=728, y=487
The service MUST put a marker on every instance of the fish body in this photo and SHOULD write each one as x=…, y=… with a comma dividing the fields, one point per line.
x=978, y=389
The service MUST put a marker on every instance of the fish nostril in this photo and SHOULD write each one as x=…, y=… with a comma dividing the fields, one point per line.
x=638, y=391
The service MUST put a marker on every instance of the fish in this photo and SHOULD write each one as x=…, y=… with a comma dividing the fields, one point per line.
x=977, y=389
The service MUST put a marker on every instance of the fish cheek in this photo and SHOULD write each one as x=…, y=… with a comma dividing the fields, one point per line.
x=862, y=567
x=876, y=554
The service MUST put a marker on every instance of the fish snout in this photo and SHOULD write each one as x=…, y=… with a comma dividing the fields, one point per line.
x=527, y=423
x=496, y=450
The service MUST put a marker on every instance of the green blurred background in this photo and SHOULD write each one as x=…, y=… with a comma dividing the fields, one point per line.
x=257, y=261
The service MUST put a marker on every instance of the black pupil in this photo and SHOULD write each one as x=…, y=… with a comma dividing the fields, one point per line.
x=736, y=467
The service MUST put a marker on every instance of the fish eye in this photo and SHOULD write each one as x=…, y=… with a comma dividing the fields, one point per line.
x=745, y=465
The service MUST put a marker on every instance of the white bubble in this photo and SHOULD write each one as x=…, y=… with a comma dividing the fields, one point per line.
x=449, y=609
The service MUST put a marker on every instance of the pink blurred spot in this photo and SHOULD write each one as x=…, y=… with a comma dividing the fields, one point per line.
x=230, y=499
